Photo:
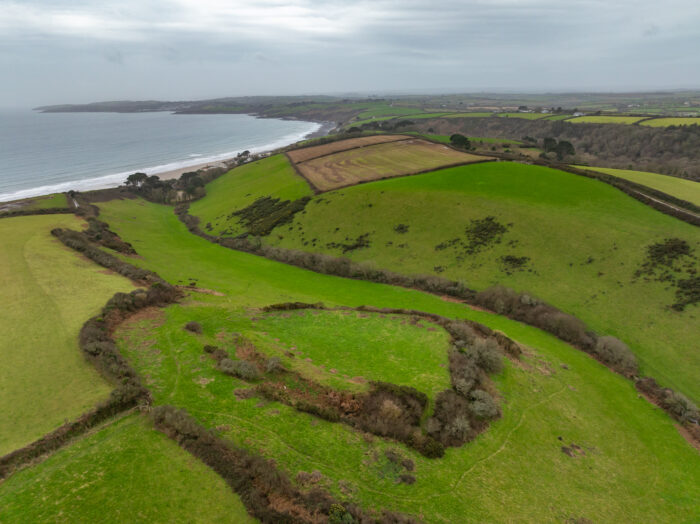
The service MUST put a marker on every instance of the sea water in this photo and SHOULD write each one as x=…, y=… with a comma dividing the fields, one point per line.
x=42, y=153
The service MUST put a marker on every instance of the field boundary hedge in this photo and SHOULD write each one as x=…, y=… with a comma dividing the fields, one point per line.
x=265, y=490
x=521, y=307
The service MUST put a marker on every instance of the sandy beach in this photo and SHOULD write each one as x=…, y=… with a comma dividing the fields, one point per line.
x=175, y=173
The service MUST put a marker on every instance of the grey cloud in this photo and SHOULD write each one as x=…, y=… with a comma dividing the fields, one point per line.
x=280, y=46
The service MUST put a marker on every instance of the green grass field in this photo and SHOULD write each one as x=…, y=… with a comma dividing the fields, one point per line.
x=682, y=188
x=243, y=186
x=445, y=139
x=557, y=117
x=48, y=293
x=125, y=471
x=469, y=115
x=665, y=122
x=634, y=465
x=526, y=116
x=34, y=204
x=606, y=119
x=585, y=265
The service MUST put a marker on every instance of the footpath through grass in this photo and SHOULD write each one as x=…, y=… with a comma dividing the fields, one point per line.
x=632, y=464
x=124, y=472
x=48, y=292
x=682, y=188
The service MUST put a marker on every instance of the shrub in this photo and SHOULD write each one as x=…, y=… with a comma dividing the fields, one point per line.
x=407, y=479
x=482, y=405
x=681, y=407
x=209, y=348
x=274, y=365
x=487, y=355
x=238, y=368
x=616, y=354
x=194, y=327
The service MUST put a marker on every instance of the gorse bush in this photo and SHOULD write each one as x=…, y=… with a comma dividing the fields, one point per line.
x=616, y=354
x=194, y=327
x=487, y=355
x=482, y=405
x=239, y=368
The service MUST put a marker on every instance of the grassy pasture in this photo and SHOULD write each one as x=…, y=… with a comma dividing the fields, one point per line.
x=126, y=471
x=670, y=121
x=557, y=117
x=335, y=344
x=243, y=186
x=585, y=265
x=469, y=115
x=634, y=465
x=379, y=161
x=302, y=155
x=33, y=204
x=526, y=116
x=48, y=292
x=682, y=188
x=606, y=119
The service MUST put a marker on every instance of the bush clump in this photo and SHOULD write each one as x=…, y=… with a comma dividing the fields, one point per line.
x=238, y=368
x=194, y=327
x=616, y=354
x=483, y=406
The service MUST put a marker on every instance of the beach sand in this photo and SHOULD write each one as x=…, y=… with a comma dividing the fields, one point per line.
x=175, y=173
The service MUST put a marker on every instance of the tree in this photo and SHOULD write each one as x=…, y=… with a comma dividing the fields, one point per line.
x=550, y=144
x=136, y=180
x=564, y=148
x=458, y=140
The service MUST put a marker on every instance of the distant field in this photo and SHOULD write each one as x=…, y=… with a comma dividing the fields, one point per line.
x=634, y=465
x=468, y=115
x=126, y=471
x=379, y=161
x=665, y=122
x=557, y=117
x=526, y=116
x=243, y=186
x=308, y=153
x=606, y=119
x=682, y=188
x=445, y=139
x=32, y=204
x=48, y=292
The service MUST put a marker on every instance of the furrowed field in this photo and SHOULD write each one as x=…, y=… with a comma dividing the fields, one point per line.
x=482, y=481
x=48, y=292
x=379, y=161
x=586, y=265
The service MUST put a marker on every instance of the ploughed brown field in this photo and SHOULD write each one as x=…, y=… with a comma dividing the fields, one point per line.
x=307, y=153
x=404, y=156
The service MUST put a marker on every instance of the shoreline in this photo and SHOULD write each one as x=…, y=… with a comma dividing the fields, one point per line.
x=117, y=179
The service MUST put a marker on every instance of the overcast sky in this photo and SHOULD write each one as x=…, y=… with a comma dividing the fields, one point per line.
x=55, y=51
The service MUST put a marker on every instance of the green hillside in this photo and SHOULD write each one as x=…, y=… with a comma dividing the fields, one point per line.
x=572, y=241
x=556, y=392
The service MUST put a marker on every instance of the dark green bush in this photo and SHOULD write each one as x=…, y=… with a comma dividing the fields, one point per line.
x=194, y=327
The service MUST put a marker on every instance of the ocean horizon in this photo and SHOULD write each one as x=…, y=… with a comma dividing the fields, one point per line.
x=44, y=153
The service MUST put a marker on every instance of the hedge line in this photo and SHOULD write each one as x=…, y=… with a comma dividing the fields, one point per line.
x=266, y=491
x=517, y=306
x=99, y=348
